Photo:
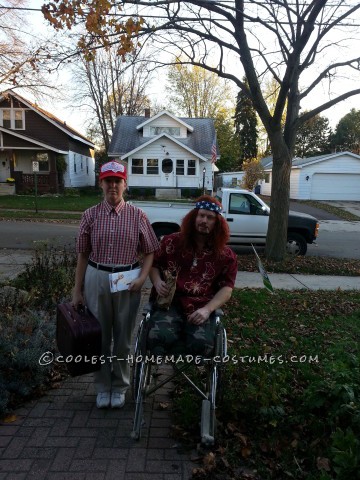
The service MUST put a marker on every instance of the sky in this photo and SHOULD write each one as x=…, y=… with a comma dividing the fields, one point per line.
x=76, y=118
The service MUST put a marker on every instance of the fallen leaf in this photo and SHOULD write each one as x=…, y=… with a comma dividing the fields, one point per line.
x=245, y=452
x=10, y=419
x=323, y=464
x=209, y=460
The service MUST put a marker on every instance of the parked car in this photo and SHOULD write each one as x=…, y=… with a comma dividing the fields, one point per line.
x=246, y=214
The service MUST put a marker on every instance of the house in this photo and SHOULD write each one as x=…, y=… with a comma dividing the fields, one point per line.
x=165, y=154
x=33, y=140
x=334, y=176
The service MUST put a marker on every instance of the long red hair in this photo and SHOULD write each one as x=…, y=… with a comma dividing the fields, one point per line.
x=217, y=238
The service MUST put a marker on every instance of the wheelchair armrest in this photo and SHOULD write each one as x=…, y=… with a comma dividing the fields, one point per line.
x=218, y=312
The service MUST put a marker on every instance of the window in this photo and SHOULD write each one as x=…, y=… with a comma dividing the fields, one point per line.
x=245, y=205
x=191, y=169
x=19, y=124
x=267, y=177
x=137, y=166
x=87, y=166
x=167, y=165
x=43, y=159
x=174, y=131
x=6, y=118
x=74, y=163
x=234, y=182
x=152, y=167
x=180, y=167
x=13, y=119
x=81, y=163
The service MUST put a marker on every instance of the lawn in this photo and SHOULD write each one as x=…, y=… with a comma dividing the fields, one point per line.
x=74, y=201
x=291, y=393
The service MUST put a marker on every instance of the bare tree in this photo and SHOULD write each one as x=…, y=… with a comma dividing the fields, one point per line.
x=302, y=45
x=21, y=52
x=109, y=87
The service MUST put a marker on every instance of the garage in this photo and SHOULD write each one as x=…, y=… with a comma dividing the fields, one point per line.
x=335, y=186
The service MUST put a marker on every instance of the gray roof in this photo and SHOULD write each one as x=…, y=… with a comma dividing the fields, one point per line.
x=126, y=138
x=300, y=162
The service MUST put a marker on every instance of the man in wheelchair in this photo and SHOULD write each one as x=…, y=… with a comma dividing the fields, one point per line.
x=194, y=271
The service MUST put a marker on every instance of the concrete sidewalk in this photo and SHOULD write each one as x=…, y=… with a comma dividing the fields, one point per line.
x=287, y=281
x=12, y=263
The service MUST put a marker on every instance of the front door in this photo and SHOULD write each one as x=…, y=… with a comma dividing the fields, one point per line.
x=4, y=167
x=167, y=173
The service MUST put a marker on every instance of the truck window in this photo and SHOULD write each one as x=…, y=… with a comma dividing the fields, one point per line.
x=243, y=204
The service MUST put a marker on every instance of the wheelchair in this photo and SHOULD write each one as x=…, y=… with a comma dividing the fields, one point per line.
x=145, y=377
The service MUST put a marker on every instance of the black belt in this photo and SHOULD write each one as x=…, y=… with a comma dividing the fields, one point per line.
x=107, y=268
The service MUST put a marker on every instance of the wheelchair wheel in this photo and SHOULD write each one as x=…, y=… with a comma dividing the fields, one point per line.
x=140, y=379
x=208, y=411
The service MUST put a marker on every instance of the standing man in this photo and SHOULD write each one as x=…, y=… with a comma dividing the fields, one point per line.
x=111, y=236
x=205, y=269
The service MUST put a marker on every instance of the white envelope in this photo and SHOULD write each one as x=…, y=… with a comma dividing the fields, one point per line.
x=121, y=280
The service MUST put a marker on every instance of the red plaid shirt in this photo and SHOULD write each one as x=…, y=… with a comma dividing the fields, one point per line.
x=115, y=235
x=198, y=277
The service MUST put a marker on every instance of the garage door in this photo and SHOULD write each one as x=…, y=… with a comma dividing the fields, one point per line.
x=335, y=186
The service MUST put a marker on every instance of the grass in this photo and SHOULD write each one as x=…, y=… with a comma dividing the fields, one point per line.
x=55, y=207
x=290, y=406
x=76, y=202
x=303, y=264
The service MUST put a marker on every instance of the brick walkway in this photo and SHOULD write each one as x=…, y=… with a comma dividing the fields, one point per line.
x=63, y=436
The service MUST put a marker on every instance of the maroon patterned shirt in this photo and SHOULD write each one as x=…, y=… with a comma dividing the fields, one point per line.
x=198, y=277
x=115, y=235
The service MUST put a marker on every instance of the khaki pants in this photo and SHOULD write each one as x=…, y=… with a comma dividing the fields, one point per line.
x=116, y=313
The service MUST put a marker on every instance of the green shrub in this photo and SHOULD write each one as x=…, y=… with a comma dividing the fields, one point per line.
x=24, y=337
x=49, y=278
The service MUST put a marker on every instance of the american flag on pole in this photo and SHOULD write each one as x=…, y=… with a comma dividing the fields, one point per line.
x=213, y=150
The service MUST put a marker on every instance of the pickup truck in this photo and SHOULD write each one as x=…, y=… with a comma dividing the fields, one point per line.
x=246, y=214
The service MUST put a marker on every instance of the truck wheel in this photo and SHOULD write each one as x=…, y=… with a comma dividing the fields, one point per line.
x=160, y=232
x=296, y=244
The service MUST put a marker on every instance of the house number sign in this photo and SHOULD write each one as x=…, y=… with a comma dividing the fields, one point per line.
x=35, y=166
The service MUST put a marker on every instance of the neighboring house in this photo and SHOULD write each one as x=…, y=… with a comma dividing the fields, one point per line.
x=334, y=176
x=31, y=139
x=229, y=179
x=165, y=152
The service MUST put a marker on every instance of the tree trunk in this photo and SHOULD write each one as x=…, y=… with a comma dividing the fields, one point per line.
x=279, y=209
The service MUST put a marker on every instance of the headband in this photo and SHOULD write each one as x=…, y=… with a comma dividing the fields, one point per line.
x=204, y=205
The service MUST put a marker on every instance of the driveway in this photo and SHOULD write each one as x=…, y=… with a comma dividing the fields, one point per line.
x=301, y=207
x=352, y=207
x=315, y=212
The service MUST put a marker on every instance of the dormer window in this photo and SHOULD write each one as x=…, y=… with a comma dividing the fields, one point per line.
x=12, y=118
x=174, y=131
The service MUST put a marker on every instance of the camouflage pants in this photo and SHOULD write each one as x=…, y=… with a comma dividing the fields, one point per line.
x=170, y=332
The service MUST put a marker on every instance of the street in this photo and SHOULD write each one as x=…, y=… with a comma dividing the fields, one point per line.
x=336, y=238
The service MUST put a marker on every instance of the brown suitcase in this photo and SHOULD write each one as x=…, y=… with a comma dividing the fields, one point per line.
x=78, y=337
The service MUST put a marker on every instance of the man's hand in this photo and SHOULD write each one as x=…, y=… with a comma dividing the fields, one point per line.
x=161, y=288
x=135, y=285
x=199, y=316
x=77, y=299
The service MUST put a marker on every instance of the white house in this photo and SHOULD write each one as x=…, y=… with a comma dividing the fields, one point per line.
x=165, y=152
x=334, y=176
